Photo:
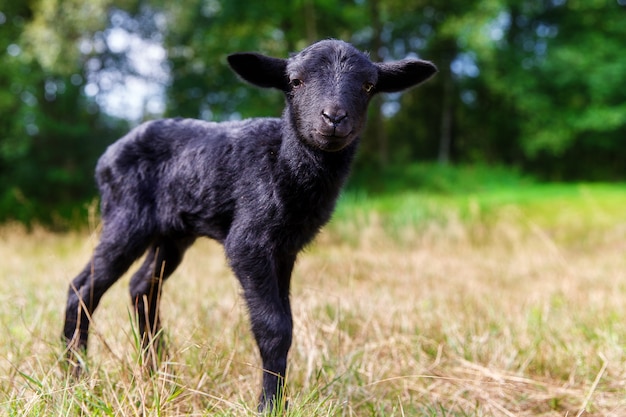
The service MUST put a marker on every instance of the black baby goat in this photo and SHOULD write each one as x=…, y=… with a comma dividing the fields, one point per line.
x=262, y=187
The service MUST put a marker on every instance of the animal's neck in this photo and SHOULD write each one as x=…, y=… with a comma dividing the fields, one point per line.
x=310, y=166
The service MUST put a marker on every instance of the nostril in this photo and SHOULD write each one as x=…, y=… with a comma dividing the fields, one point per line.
x=340, y=116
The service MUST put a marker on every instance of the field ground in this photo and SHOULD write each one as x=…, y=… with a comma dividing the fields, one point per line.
x=507, y=303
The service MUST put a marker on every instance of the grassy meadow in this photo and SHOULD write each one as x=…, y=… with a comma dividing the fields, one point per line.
x=500, y=301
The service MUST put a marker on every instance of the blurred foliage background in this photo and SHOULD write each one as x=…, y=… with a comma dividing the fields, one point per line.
x=535, y=86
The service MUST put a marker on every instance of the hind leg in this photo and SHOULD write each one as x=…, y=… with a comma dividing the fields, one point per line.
x=163, y=258
x=118, y=248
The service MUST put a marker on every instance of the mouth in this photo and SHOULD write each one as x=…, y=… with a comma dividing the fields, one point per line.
x=333, y=135
x=331, y=142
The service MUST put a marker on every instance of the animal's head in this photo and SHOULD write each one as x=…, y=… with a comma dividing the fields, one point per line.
x=328, y=87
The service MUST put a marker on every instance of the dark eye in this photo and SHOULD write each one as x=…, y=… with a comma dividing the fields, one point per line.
x=368, y=87
x=295, y=83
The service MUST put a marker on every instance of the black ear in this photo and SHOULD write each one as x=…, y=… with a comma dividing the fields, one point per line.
x=400, y=75
x=260, y=70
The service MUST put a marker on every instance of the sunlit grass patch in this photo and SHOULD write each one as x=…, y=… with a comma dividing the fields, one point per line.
x=564, y=211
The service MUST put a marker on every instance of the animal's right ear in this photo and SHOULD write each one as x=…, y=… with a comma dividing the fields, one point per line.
x=260, y=70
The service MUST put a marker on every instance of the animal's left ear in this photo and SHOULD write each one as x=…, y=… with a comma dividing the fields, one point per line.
x=260, y=70
x=400, y=75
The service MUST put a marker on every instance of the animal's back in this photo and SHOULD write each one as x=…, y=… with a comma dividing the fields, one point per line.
x=181, y=172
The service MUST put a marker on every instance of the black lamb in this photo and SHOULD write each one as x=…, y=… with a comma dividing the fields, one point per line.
x=262, y=187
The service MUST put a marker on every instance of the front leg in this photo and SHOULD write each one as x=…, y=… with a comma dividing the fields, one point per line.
x=265, y=280
x=272, y=328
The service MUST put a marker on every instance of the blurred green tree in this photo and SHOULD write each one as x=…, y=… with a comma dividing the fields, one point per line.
x=550, y=96
x=571, y=94
x=51, y=133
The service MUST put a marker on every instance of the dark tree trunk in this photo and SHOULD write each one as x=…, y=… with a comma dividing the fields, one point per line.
x=445, y=138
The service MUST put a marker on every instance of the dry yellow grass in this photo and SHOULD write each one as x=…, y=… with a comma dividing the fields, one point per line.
x=484, y=320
